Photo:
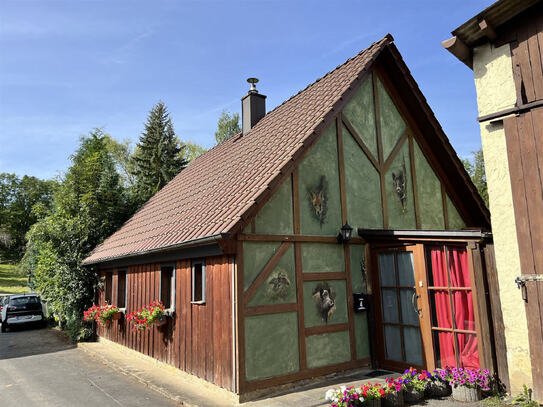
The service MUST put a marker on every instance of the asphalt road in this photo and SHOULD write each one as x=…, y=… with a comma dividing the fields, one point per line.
x=39, y=367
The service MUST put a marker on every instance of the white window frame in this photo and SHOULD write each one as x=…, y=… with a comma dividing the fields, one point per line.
x=123, y=309
x=203, y=263
x=172, y=288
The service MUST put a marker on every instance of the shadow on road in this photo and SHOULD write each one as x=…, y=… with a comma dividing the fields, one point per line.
x=27, y=341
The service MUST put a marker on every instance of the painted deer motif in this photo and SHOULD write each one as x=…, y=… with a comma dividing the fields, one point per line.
x=400, y=185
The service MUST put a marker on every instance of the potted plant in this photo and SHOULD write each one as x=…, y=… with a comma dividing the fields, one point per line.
x=344, y=397
x=107, y=314
x=415, y=383
x=372, y=394
x=148, y=315
x=393, y=392
x=467, y=384
x=438, y=385
x=91, y=314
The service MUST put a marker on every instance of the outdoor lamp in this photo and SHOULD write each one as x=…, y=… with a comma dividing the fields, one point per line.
x=345, y=234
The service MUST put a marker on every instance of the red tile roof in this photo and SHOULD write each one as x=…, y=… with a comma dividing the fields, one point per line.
x=210, y=196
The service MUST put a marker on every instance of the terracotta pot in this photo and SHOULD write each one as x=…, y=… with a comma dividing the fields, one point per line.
x=438, y=388
x=412, y=396
x=372, y=403
x=393, y=399
x=161, y=321
x=464, y=393
x=116, y=316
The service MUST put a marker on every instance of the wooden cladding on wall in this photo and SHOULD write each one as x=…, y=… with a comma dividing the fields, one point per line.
x=524, y=139
x=198, y=337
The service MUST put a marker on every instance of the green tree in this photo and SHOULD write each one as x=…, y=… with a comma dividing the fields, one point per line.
x=227, y=126
x=193, y=151
x=158, y=156
x=476, y=170
x=22, y=202
x=87, y=207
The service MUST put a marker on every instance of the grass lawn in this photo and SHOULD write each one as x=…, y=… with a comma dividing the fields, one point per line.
x=10, y=281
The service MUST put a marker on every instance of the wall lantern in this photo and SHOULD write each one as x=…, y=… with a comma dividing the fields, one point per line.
x=345, y=234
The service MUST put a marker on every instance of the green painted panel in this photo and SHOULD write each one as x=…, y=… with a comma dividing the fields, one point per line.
x=399, y=190
x=362, y=185
x=361, y=333
x=361, y=113
x=255, y=257
x=276, y=216
x=327, y=349
x=315, y=309
x=271, y=345
x=321, y=257
x=455, y=220
x=358, y=278
x=280, y=286
x=320, y=206
x=392, y=124
x=429, y=193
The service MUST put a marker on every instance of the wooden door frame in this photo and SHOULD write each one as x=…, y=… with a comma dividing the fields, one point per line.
x=478, y=286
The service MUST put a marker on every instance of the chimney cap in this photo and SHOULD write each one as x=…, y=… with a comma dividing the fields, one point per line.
x=253, y=82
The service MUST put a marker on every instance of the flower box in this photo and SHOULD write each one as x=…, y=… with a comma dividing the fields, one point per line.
x=162, y=321
x=116, y=316
x=467, y=394
x=438, y=388
x=393, y=399
x=372, y=403
x=412, y=395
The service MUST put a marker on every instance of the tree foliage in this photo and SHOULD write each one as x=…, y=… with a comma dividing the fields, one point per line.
x=476, y=170
x=193, y=151
x=158, y=156
x=89, y=205
x=227, y=126
x=22, y=202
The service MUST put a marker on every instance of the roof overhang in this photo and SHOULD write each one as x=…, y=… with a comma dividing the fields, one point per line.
x=482, y=28
x=208, y=246
x=386, y=234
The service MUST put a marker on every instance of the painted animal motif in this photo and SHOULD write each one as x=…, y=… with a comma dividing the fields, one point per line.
x=400, y=186
x=278, y=285
x=324, y=297
x=318, y=200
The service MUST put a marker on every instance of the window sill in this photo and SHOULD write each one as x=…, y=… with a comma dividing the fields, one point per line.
x=122, y=310
x=198, y=302
x=169, y=312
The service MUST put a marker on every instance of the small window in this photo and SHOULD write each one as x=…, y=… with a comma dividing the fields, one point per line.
x=198, y=282
x=108, y=287
x=121, y=289
x=167, y=286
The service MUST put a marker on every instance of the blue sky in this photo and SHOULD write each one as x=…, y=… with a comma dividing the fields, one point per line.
x=69, y=66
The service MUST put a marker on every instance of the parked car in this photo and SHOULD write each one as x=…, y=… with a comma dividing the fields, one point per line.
x=22, y=309
x=4, y=298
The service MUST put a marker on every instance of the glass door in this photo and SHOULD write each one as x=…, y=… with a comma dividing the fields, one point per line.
x=398, y=299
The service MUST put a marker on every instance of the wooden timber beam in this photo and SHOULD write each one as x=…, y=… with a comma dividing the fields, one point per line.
x=459, y=49
x=487, y=30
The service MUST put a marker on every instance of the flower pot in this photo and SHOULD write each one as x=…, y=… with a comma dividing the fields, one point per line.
x=412, y=396
x=116, y=316
x=393, y=399
x=372, y=403
x=437, y=388
x=464, y=393
x=161, y=321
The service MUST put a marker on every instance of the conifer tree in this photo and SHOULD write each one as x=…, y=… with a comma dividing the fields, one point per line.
x=157, y=158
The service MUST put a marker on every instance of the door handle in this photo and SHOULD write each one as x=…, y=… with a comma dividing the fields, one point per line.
x=415, y=304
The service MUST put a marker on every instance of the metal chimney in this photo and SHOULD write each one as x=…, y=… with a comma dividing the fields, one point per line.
x=253, y=107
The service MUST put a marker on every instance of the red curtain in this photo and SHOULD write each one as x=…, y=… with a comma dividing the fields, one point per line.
x=462, y=303
x=464, y=316
x=442, y=305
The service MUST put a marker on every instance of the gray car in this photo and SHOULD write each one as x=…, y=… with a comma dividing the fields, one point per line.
x=21, y=310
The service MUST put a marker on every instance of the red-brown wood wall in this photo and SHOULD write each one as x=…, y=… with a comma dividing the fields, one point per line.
x=198, y=338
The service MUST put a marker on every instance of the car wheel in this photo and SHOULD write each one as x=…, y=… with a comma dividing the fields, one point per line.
x=4, y=327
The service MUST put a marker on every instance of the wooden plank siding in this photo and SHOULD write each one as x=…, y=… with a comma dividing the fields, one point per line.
x=198, y=337
x=524, y=139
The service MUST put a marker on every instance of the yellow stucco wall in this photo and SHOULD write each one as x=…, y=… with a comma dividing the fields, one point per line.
x=496, y=91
